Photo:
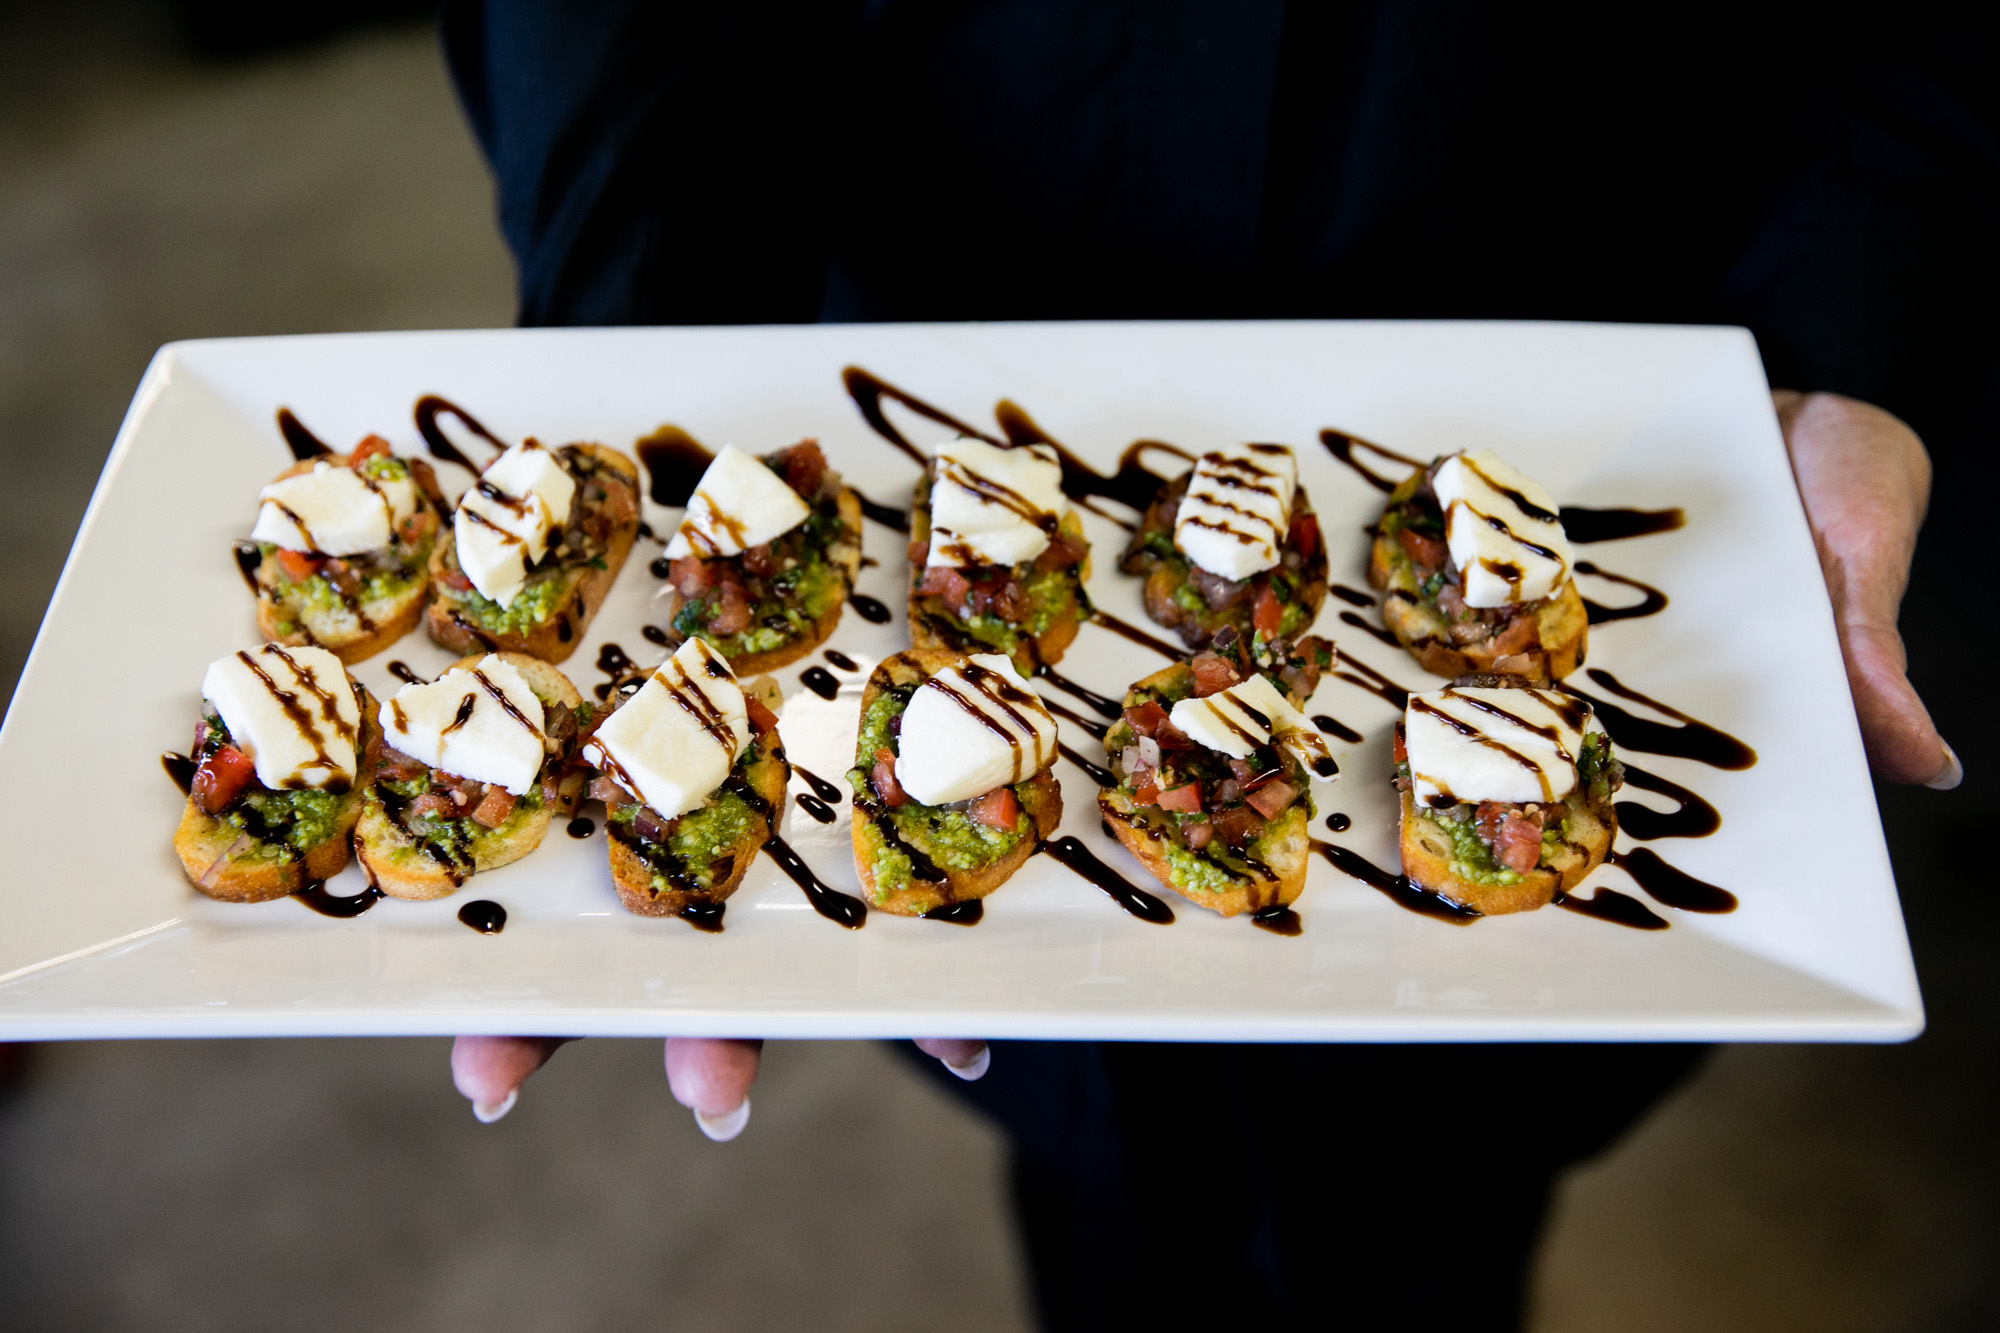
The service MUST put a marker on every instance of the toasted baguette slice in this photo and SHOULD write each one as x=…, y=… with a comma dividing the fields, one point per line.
x=401, y=867
x=1561, y=623
x=1427, y=859
x=765, y=774
x=1041, y=813
x=354, y=629
x=933, y=626
x=844, y=556
x=554, y=638
x=257, y=872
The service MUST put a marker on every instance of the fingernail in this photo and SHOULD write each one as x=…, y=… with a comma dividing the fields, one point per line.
x=1954, y=772
x=487, y=1112
x=974, y=1069
x=722, y=1128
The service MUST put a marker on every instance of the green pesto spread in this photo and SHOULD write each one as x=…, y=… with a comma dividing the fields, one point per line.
x=697, y=839
x=286, y=823
x=534, y=605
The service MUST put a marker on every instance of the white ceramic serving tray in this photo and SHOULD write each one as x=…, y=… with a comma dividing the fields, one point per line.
x=100, y=935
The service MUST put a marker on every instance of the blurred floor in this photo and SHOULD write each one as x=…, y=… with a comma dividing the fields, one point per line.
x=339, y=1184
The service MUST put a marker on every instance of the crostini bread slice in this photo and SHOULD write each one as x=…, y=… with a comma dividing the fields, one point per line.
x=556, y=637
x=1285, y=846
x=932, y=631
x=845, y=556
x=1427, y=858
x=254, y=876
x=765, y=775
x=1040, y=797
x=399, y=866
x=351, y=633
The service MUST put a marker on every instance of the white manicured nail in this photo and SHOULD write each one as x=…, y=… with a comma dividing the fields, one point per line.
x=975, y=1068
x=722, y=1128
x=1953, y=774
x=487, y=1112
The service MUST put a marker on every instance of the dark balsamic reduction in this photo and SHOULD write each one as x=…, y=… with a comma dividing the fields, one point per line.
x=841, y=661
x=181, y=769
x=1099, y=774
x=674, y=463
x=1352, y=596
x=1349, y=618
x=820, y=681
x=870, y=609
x=1396, y=888
x=1652, y=603
x=485, y=916
x=843, y=909
x=704, y=915
x=815, y=807
x=1615, y=907
x=1342, y=446
x=429, y=408
x=611, y=660
x=1610, y=525
x=1091, y=725
x=1695, y=817
x=1670, y=886
x=1333, y=726
x=401, y=671
x=302, y=442
x=315, y=896
x=1693, y=739
x=1278, y=920
x=248, y=558
x=896, y=520
x=661, y=567
x=1373, y=681
x=1125, y=629
x=826, y=791
x=968, y=913
x=1081, y=860
x=654, y=634
x=1102, y=705
x=1338, y=822
x=580, y=827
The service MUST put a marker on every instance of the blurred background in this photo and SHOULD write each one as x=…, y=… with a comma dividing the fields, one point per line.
x=178, y=171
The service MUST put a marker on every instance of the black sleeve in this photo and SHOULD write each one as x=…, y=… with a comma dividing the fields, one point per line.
x=656, y=162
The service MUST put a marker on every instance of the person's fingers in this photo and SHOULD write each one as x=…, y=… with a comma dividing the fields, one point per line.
x=1903, y=744
x=712, y=1076
x=490, y=1070
x=968, y=1059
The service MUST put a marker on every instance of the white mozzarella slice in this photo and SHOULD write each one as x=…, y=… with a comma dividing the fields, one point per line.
x=1247, y=716
x=1475, y=744
x=738, y=503
x=504, y=522
x=673, y=742
x=992, y=505
x=1504, y=532
x=1238, y=508
x=333, y=510
x=970, y=728
x=484, y=723
x=292, y=711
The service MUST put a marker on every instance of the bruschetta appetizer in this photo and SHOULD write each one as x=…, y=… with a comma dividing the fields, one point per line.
x=952, y=788
x=1215, y=764
x=284, y=731
x=1506, y=793
x=468, y=771
x=533, y=548
x=1233, y=544
x=998, y=558
x=692, y=776
x=343, y=546
x=764, y=558
x=1475, y=569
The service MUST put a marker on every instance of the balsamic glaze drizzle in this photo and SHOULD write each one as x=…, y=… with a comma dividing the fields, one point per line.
x=485, y=916
x=820, y=681
x=1692, y=739
x=1342, y=446
x=674, y=463
x=1125, y=629
x=1652, y=602
x=314, y=895
x=1373, y=681
x=401, y=671
x=1102, y=705
x=1670, y=886
x=870, y=609
x=1102, y=776
x=181, y=769
x=1618, y=908
x=302, y=442
x=968, y=913
x=1333, y=726
x=1279, y=920
x=580, y=827
x=428, y=409
x=248, y=558
x=826, y=791
x=1694, y=817
x=1080, y=859
x=896, y=520
x=704, y=914
x=840, y=661
x=1609, y=525
x=1396, y=888
x=1349, y=618
x=1338, y=822
x=815, y=807
x=843, y=909
x=1352, y=596
x=1091, y=725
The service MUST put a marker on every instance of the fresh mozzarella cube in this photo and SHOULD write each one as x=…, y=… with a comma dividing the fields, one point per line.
x=292, y=711
x=1504, y=532
x=1247, y=716
x=484, y=724
x=504, y=522
x=1474, y=744
x=673, y=742
x=992, y=505
x=333, y=510
x=1238, y=509
x=970, y=728
x=738, y=503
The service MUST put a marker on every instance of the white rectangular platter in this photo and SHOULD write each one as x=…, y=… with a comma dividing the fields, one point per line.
x=100, y=934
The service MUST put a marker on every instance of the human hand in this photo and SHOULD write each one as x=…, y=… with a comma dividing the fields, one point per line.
x=710, y=1076
x=1866, y=481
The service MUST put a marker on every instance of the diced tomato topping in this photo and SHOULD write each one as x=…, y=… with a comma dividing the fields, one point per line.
x=456, y=580
x=609, y=792
x=1062, y=551
x=298, y=566
x=434, y=804
x=804, y=465
x=762, y=719
x=1213, y=673
x=1147, y=718
x=222, y=778
x=997, y=595
x=732, y=611
x=760, y=560
x=1521, y=634
x=1427, y=551
x=1399, y=751
x=917, y=552
x=997, y=809
x=1304, y=537
x=886, y=786
x=415, y=527
x=1238, y=825
x=1269, y=613
x=943, y=581
x=1199, y=835
x=1146, y=793
x=691, y=574
x=493, y=807
x=1515, y=834
x=1271, y=799
x=366, y=450
x=1185, y=798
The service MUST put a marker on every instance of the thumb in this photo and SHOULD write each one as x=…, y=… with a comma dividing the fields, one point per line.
x=711, y=1076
